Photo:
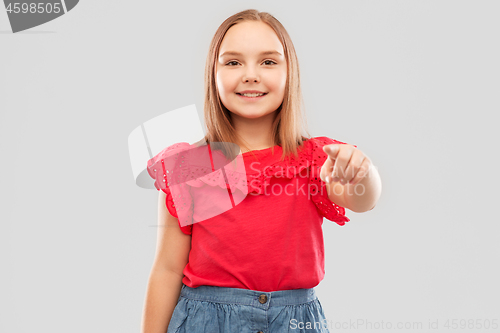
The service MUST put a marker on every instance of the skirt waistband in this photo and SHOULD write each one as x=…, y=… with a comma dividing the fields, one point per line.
x=261, y=299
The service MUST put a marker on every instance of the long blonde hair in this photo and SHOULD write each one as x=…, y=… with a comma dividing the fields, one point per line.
x=289, y=120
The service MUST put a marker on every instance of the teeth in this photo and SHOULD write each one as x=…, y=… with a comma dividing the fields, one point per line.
x=251, y=95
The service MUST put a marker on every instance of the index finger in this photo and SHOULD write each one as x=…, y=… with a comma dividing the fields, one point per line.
x=331, y=150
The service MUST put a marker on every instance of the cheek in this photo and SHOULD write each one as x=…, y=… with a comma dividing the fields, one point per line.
x=225, y=83
x=278, y=81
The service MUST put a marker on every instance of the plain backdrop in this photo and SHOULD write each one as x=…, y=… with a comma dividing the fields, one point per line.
x=414, y=84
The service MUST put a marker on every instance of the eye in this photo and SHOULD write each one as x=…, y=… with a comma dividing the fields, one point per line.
x=231, y=62
x=270, y=61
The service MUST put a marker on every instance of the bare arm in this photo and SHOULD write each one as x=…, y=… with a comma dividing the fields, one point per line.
x=165, y=280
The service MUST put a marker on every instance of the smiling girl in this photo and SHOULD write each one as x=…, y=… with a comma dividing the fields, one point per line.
x=253, y=268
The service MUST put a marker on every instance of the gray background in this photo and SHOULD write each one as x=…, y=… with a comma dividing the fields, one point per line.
x=413, y=83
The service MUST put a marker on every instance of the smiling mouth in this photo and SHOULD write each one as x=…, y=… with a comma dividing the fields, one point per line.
x=255, y=95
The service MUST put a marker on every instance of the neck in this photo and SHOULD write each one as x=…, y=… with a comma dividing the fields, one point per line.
x=254, y=133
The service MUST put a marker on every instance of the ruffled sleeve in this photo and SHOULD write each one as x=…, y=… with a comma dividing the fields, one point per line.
x=317, y=187
x=158, y=168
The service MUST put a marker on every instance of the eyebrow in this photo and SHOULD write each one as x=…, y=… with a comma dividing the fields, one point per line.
x=239, y=54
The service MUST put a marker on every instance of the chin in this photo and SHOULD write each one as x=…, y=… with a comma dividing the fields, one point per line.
x=252, y=113
x=249, y=113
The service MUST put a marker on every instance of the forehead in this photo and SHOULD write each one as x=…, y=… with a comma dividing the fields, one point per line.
x=250, y=37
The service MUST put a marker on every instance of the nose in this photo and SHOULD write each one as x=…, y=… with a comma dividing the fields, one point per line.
x=250, y=79
x=250, y=75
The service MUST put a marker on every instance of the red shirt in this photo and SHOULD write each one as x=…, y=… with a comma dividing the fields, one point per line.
x=273, y=239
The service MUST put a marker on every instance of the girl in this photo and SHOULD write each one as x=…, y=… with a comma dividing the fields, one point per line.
x=250, y=266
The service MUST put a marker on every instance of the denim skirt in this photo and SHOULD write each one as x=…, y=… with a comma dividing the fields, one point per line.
x=211, y=309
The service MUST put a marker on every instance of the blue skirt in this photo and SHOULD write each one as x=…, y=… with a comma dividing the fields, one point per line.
x=211, y=309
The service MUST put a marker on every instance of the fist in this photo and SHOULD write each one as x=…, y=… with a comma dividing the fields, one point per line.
x=345, y=163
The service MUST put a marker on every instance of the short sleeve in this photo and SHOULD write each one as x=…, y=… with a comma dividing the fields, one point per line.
x=157, y=168
x=317, y=187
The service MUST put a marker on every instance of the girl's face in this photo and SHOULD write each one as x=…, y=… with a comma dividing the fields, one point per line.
x=251, y=58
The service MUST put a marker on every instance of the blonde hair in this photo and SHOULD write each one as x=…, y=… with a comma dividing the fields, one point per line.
x=289, y=120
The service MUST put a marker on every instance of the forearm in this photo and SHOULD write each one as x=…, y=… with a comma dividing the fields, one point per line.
x=364, y=195
x=163, y=291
